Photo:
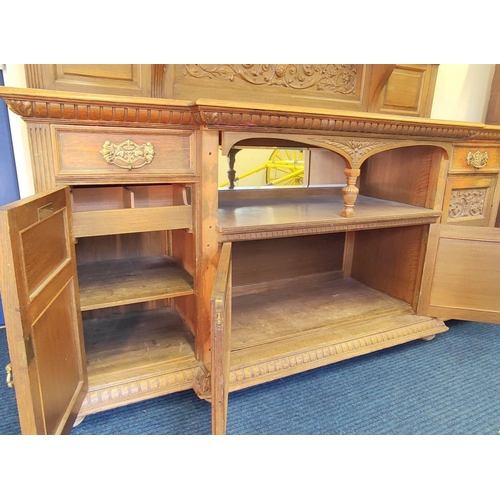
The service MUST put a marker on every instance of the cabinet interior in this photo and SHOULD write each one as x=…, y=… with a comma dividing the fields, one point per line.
x=136, y=279
x=339, y=284
x=137, y=289
x=291, y=287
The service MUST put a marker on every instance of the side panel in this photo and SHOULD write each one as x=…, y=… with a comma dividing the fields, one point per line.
x=42, y=312
x=462, y=274
x=221, y=340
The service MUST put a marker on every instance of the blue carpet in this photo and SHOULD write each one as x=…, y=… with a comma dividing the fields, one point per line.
x=448, y=386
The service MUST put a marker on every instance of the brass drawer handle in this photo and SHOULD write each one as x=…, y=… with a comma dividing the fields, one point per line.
x=477, y=159
x=9, y=381
x=128, y=154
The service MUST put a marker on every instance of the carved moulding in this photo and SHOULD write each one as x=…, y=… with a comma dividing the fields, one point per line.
x=334, y=78
x=237, y=118
x=227, y=235
x=21, y=108
x=89, y=110
x=467, y=203
x=245, y=376
x=156, y=385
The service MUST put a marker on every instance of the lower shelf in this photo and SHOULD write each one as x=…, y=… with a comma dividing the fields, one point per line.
x=283, y=332
x=127, y=281
x=135, y=356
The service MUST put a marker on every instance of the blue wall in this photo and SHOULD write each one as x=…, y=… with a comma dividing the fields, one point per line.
x=9, y=189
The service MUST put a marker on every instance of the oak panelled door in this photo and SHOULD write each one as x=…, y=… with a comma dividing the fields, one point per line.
x=42, y=314
x=220, y=306
x=462, y=273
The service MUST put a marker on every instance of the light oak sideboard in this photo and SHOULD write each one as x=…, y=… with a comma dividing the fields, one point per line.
x=130, y=274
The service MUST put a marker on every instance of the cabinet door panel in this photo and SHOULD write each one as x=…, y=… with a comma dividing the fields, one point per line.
x=462, y=274
x=42, y=313
x=221, y=340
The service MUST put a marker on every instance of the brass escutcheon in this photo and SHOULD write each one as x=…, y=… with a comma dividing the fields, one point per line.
x=128, y=154
x=477, y=159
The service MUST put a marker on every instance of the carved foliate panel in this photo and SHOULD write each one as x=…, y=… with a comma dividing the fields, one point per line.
x=334, y=78
x=334, y=86
x=467, y=203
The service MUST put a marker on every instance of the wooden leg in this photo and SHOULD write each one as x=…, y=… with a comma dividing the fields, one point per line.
x=350, y=191
x=79, y=420
x=231, y=173
x=430, y=337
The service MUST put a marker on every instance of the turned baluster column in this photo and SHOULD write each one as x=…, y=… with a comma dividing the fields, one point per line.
x=231, y=173
x=350, y=191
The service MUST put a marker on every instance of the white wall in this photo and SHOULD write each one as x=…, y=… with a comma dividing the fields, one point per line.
x=14, y=76
x=462, y=92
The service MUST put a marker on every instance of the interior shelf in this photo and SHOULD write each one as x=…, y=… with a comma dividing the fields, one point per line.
x=251, y=218
x=316, y=324
x=136, y=344
x=133, y=280
x=264, y=317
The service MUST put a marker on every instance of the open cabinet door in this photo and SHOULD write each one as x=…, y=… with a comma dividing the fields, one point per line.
x=42, y=314
x=461, y=277
x=220, y=306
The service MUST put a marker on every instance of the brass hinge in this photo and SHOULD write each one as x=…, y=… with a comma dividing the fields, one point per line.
x=219, y=318
x=28, y=348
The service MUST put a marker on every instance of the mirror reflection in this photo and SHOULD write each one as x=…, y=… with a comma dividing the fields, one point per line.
x=280, y=167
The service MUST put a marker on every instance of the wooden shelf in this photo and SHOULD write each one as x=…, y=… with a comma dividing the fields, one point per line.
x=129, y=281
x=295, y=329
x=136, y=356
x=263, y=218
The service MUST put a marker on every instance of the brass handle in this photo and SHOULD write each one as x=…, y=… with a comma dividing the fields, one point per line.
x=128, y=154
x=477, y=159
x=10, y=381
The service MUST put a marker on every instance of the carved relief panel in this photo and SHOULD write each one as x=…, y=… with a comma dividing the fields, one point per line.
x=469, y=200
x=340, y=86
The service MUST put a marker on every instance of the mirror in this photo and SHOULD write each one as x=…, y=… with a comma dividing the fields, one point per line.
x=280, y=167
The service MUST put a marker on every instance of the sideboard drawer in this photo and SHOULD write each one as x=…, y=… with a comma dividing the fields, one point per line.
x=113, y=155
x=474, y=158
